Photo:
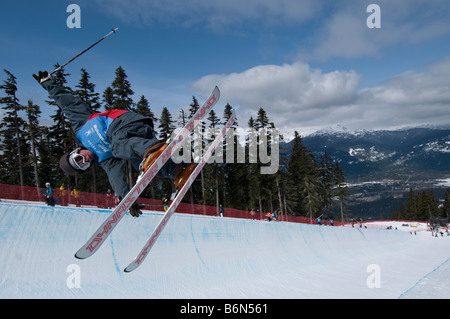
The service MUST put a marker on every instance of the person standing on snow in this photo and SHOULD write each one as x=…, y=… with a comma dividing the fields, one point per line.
x=110, y=139
x=49, y=198
x=63, y=194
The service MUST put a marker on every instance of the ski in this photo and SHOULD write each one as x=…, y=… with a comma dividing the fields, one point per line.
x=100, y=235
x=177, y=199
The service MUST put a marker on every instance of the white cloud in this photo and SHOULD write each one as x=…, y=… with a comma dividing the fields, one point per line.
x=297, y=97
x=285, y=86
x=411, y=98
x=345, y=33
x=292, y=94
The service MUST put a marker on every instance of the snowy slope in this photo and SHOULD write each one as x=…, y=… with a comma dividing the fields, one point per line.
x=207, y=257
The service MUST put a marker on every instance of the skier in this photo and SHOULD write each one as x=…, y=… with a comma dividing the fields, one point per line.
x=49, y=195
x=109, y=139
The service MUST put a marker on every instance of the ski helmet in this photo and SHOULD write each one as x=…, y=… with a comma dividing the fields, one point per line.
x=73, y=163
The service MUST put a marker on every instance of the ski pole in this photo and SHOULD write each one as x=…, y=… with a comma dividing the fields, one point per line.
x=92, y=45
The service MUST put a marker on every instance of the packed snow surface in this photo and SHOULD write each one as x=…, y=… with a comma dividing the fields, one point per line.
x=210, y=257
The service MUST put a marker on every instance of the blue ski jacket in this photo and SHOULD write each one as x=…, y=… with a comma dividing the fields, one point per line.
x=114, y=136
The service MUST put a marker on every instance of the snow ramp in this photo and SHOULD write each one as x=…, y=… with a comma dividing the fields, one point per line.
x=209, y=257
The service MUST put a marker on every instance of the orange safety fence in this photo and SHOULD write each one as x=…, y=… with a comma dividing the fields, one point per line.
x=74, y=198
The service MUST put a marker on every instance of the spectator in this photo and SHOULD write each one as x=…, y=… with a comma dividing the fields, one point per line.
x=49, y=198
x=75, y=193
x=109, y=199
x=63, y=194
x=165, y=203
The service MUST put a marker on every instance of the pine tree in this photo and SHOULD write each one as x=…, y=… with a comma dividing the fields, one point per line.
x=326, y=170
x=119, y=96
x=165, y=124
x=33, y=130
x=300, y=173
x=45, y=148
x=86, y=91
x=213, y=172
x=261, y=186
x=108, y=98
x=251, y=123
x=143, y=108
x=183, y=118
x=14, y=147
x=227, y=113
x=341, y=190
x=434, y=204
x=422, y=206
x=262, y=121
x=310, y=190
x=193, y=107
x=197, y=133
x=445, y=210
x=198, y=145
x=411, y=211
x=235, y=170
x=400, y=213
x=213, y=119
x=269, y=188
x=298, y=167
x=294, y=175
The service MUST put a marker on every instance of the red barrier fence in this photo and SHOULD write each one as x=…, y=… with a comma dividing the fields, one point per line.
x=74, y=198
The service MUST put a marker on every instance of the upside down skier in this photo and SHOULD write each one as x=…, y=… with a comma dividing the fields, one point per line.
x=109, y=139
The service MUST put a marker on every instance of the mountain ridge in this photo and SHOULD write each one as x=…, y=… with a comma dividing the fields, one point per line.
x=375, y=155
x=382, y=165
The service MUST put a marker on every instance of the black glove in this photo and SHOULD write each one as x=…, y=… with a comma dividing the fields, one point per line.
x=135, y=209
x=42, y=76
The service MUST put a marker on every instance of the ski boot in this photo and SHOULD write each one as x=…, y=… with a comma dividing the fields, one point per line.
x=182, y=174
x=151, y=155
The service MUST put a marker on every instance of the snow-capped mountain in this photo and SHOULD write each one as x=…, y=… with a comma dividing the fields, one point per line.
x=372, y=155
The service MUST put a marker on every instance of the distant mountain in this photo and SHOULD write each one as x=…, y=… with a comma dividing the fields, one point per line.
x=381, y=166
x=374, y=155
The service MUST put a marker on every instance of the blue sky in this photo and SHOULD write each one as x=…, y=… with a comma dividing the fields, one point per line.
x=310, y=64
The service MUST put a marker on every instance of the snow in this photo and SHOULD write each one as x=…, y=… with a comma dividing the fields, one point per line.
x=408, y=226
x=371, y=155
x=444, y=182
x=210, y=257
